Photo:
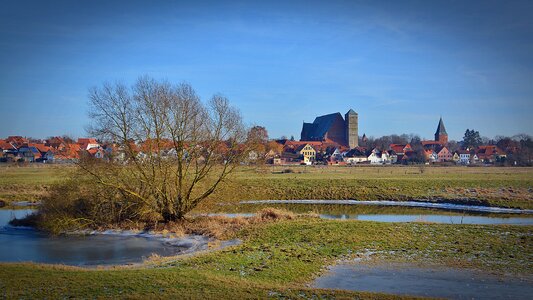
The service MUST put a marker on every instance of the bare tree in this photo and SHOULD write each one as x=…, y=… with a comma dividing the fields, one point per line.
x=171, y=150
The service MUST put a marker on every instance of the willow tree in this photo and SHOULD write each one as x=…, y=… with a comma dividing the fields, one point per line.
x=171, y=150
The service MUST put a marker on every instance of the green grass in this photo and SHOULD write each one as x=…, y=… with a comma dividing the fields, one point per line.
x=495, y=186
x=505, y=187
x=280, y=259
x=29, y=183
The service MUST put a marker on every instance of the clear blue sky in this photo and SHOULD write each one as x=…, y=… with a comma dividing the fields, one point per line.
x=399, y=64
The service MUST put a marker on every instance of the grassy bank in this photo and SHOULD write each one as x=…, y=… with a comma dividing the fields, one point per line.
x=495, y=186
x=279, y=259
x=29, y=183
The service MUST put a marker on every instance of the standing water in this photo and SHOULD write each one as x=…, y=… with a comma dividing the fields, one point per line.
x=26, y=244
x=442, y=282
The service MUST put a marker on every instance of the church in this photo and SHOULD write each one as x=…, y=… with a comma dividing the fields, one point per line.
x=333, y=128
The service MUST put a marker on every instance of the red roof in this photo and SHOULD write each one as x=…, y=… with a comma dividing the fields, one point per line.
x=4, y=145
x=17, y=140
x=41, y=147
x=490, y=150
x=87, y=141
x=399, y=148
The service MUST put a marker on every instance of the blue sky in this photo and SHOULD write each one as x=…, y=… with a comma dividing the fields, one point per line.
x=400, y=64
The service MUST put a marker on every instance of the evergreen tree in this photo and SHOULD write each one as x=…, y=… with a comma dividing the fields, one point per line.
x=471, y=139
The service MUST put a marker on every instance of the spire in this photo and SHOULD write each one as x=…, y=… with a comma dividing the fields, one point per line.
x=441, y=130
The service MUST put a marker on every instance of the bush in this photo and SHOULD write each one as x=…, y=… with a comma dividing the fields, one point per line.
x=81, y=203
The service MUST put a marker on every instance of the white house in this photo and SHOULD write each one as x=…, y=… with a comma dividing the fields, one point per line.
x=375, y=157
x=464, y=157
x=355, y=156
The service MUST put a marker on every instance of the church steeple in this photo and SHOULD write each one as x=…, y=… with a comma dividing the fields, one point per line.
x=441, y=135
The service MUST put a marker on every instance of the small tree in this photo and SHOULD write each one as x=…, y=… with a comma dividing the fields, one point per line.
x=258, y=134
x=257, y=139
x=175, y=150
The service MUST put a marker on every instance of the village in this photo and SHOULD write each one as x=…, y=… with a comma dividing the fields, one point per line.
x=329, y=140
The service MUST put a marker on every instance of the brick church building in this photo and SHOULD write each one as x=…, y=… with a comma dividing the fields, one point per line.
x=333, y=128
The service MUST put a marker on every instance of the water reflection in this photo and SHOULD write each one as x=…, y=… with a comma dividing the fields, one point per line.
x=403, y=218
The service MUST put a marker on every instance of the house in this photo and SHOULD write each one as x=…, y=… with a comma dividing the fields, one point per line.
x=400, y=149
x=356, y=155
x=375, y=157
x=48, y=156
x=307, y=153
x=464, y=157
x=333, y=155
x=29, y=154
x=431, y=156
x=490, y=154
x=17, y=141
x=7, y=147
x=70, y=153
x=88, y=143
x=291, y=150
x=444, y=155
x=455, y=157
x=474, y=159
x=56, y=142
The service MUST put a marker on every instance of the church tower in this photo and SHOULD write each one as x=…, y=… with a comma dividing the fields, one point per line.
x=441, y=135
x=352, y=135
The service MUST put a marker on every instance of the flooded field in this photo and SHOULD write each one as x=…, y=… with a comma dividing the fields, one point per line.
x=381, y=213
x=442, y=282
x=417, y=204
x=107, y=248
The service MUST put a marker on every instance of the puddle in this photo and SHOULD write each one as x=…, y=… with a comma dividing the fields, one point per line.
x=444, y=206
x=404, y=279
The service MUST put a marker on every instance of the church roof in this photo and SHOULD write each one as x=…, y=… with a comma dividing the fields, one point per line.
x=441, y=130
x=323, y=123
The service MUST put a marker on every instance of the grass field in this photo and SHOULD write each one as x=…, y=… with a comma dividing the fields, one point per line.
x=278, y=259
x=506, y=187
x=29, y=183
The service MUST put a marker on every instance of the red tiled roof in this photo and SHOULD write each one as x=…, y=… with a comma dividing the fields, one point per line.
x=87, y=141
x=399, y=148
x=4, y=145
x=41, y=147
x=490, y=150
